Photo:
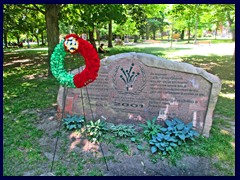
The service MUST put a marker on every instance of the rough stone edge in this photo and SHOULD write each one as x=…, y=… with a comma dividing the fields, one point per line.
x=155, y=61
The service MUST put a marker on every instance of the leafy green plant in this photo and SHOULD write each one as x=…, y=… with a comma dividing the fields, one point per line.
x=122, y=130
x=73, y=122
x=96, y=129
x=150, y=128
x=172, y=136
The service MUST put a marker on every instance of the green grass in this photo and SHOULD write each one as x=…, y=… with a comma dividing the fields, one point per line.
x=95, y=172
x=26, y=87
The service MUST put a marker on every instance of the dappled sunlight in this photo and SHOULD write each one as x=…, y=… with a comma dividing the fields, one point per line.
x=227, y=95
x=229, y=83
x=34, y=49
x=34, y=76
x=27, y=84
x=77, y=138
x=223, y=131
x=17, y=62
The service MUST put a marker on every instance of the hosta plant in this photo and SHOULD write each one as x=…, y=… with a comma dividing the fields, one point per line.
x=172, y=136
x=122, y=130
x=150, y=128
x=95, y=130
x=73, y=122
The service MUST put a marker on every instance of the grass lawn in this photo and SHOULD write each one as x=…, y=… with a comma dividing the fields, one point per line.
x=26, y=87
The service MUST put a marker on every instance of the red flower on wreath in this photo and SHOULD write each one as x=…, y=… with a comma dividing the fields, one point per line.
x=74, y=44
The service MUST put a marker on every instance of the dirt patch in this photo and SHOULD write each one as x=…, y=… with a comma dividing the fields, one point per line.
x=73, y=148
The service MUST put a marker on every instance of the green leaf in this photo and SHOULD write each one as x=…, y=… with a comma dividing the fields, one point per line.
x=133, y=139
x=72, y=126
x=173, y=139
x=148, y=123
x=160, y=135
x=159, y=139
x=189, y=125
x=167, y=137
x=169, y=128
x=163, y=129
x=182, y=136
x=180, y=126
x=139, y=147
x=153, y=149
x=179, y=143
x=168, y=122
x=173, y=144
x=152, y=142
x=163, y=144
x=158, y=145
x=195, y=133
x=190, y=133
x=178, y=121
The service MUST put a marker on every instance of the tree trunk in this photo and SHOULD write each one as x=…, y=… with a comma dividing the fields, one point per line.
x=91, y=38
x=28, y=45
x=51, y=16
x=42, y=38
x=147, y=33
x=196, y=26
x=5, y=38
x=233, y=57
x=18, y=39
x=189, y=30
x=182, y=35
x=216, y=32
x=154, y=35
x=98, y=36
x=110, y=34
x=36, y=36
x=230, y=21
x=233, y=34
x=161, y=31
x=135, y=38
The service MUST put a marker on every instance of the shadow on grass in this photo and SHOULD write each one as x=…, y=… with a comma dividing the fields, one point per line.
x=26, y=86
x=224, y=68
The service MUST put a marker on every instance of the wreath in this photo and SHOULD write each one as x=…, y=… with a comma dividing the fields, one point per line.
x=74, y=44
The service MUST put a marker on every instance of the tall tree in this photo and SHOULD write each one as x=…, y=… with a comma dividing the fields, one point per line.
x=184, y=17
x=94, y=16
x=139, y=16
x=51, y=15
x=13, y=22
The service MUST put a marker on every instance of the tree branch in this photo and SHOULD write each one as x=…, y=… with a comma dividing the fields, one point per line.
x=39, y=9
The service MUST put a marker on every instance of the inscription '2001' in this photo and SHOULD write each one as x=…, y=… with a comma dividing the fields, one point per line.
x=128, y=105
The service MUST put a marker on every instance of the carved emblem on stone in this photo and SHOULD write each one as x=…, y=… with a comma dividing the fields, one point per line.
x=129, y=80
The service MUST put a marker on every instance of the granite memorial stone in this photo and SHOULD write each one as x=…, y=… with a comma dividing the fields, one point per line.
x=133, y=87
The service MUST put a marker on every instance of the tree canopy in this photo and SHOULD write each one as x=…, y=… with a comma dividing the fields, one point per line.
x=45, y=22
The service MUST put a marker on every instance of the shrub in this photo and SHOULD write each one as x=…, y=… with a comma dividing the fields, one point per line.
x=172, y=136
